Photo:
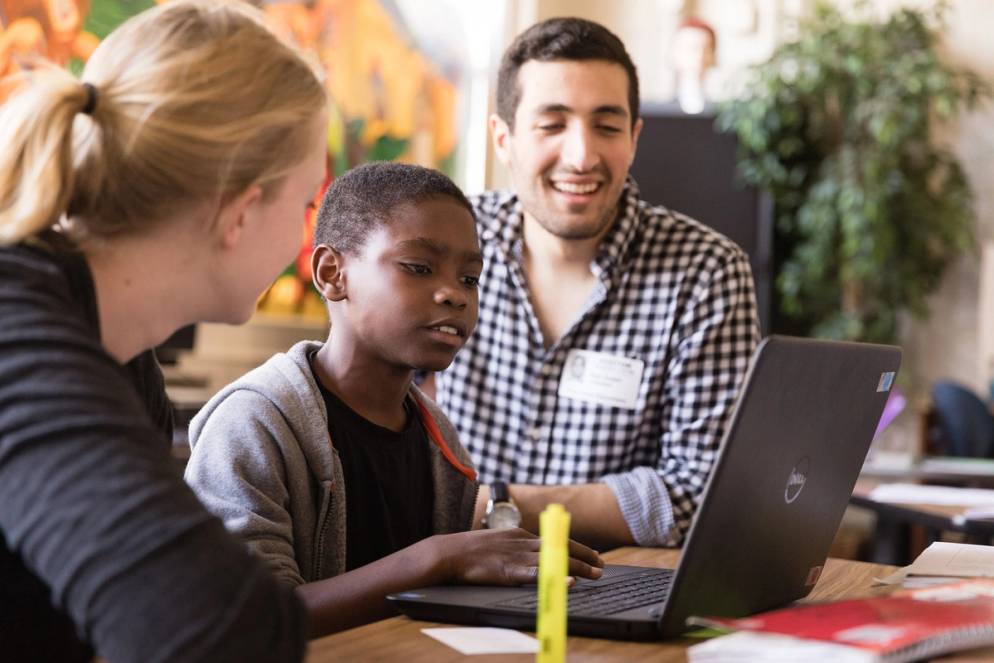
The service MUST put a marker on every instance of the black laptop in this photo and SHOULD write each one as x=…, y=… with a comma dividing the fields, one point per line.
x=792, y=450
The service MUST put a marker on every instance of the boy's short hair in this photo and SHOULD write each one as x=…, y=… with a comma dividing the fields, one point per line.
x=567, y=38
x=362, y=199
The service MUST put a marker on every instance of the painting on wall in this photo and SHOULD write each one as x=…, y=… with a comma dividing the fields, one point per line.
x=390, y=99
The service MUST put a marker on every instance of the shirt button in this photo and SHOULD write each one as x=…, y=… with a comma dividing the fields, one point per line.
x=547, y=369
x=535, y=433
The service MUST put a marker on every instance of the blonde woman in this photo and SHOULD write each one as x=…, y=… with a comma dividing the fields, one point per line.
x=165, y=188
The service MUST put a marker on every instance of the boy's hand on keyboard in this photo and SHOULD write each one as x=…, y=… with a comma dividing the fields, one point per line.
x=502, y=557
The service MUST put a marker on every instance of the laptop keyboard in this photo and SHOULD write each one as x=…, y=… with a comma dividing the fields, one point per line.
x=624, y=592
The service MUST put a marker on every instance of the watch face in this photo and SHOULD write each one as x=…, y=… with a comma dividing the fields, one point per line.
x=503, y=515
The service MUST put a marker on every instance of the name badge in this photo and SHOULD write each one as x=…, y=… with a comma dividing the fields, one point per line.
x=602, y=378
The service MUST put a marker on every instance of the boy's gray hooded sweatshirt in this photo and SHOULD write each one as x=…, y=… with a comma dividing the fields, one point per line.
x=262, y=460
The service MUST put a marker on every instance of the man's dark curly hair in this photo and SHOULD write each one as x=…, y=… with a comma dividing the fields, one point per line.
x=561, y=39
x=362, y=199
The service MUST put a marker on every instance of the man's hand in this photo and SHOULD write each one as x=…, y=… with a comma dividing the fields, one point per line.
x=502, y=557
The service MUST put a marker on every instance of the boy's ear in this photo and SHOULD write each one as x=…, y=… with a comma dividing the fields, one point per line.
x=500, y=134
x=234, y=216
x=328, y=272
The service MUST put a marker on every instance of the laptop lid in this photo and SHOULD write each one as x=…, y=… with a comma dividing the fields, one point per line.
x=789, y=459
x=792, y=452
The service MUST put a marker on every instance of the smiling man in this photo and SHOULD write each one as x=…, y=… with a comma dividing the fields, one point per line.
x=613, y=335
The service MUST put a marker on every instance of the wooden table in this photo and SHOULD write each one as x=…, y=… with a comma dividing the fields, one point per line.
x=401, y=639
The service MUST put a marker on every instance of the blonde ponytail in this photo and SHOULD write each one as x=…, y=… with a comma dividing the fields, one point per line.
x=196, y=101
x=36, y=169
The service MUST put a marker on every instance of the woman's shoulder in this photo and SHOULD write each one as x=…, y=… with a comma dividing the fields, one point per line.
x=45, y=254
x=46, y=287
x=50, y=267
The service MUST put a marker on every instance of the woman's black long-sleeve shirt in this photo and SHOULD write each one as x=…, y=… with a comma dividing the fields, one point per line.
x=103, y=548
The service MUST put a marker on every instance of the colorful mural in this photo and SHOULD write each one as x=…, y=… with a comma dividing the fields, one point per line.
x=389, y=100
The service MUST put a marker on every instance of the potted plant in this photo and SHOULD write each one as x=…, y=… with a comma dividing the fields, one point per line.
x=839, y=126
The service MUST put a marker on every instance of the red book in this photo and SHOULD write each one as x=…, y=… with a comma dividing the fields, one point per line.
x=901, y=627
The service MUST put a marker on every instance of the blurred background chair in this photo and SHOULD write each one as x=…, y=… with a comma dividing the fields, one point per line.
x=961, y=423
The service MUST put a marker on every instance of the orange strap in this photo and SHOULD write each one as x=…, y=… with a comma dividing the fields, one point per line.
x=436, y=436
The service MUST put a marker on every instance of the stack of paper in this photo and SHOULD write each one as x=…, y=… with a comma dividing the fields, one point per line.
x=942, y=561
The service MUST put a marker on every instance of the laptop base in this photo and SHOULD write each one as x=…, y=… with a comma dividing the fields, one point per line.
x=487, y=608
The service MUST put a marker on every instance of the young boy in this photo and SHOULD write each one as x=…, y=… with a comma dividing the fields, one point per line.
x=327, y=460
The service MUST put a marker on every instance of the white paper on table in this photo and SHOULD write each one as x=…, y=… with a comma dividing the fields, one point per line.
x=484, y=640
x=895, y=578
x=912, y=493
x=956, y=560
x=901, y=577
x=746, y=646
x=924, y=582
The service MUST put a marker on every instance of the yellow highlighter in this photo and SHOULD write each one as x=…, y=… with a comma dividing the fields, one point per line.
x=553, y=564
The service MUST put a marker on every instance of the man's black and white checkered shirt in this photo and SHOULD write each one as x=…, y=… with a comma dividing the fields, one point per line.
x=670, y=292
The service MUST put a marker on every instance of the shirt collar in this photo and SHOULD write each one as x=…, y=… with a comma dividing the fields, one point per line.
x=506, y=222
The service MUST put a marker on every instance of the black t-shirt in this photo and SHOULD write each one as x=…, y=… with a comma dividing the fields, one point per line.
x=388, y=486
x=102, y=545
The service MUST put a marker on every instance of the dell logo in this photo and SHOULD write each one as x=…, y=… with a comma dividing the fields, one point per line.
x=795, y=482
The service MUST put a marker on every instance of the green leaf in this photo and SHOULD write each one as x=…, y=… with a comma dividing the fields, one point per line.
x=838, y=126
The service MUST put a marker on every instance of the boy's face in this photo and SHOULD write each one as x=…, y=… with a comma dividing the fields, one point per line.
x=409, y=296
x=572, y=144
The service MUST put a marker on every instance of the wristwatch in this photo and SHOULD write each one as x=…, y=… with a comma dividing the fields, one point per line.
x=502, y=512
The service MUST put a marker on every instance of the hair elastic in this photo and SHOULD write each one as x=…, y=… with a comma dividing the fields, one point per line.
x=91, y=99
